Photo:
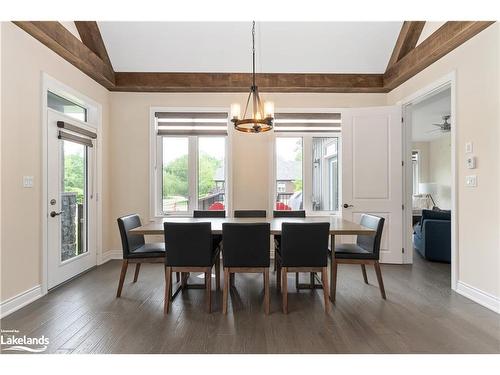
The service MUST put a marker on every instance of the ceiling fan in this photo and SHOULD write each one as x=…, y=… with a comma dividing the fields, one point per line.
x=445, y=127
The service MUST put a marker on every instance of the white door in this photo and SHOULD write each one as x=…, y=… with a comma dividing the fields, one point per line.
x=71, y=208
x=372, y=172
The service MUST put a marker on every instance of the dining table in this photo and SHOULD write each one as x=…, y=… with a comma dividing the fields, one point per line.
x=338, y=227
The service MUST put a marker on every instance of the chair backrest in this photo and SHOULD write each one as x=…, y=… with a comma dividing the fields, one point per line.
x=188, y=244
x=208, y=213
x=130, y=241
x=371, y=242
x=246, y=244
x=289, y=213
x=250, y=213
x=304, y=244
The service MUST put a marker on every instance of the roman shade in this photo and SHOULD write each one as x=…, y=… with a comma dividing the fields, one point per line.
x=307, y=122
x=75, y=134
x=191, y=123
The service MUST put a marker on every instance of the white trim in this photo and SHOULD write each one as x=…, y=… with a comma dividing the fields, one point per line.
x=94, y=120
x=110, y=255
x=449, y=80
x=477, y=295
x=13, y=304
x=153, y=158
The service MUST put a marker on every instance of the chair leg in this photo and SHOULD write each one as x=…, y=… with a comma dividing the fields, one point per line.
x=284, y=289
x=225, y=291
x=217, y=273
x=296, y=281
x=122, y=278
x=278, y=276
x=311, y=280
x=231, y=279
x=379, y=279
x=177, y=276
x=136, y=274
x=168, y=289
x=324, y=281
x=365, y=277
x=208, y=288
x=333, y=279
x=184, y=279
x=266, y=291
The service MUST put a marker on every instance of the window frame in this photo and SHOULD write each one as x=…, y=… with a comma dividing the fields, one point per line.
x=307, y=138
x=156, y=160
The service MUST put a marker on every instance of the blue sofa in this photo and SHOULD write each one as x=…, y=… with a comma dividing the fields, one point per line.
x=432, y=235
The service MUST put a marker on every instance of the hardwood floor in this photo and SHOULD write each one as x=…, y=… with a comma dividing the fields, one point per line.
x=421, y=315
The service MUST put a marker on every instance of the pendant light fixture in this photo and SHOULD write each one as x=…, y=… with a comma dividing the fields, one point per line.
x=261, y=117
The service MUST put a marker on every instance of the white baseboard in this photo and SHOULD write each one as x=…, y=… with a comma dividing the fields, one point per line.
x=485, y=299
x=22, y=299
x=111, y=254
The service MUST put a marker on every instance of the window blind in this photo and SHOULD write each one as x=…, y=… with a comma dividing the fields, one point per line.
x=191, y=123
x=307, y=122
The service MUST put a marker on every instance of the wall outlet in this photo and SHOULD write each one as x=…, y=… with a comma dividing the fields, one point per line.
x=471, y=162
x=27, y=181
x=471, y=181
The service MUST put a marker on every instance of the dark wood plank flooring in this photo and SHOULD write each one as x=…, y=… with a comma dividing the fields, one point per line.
x=421, y=315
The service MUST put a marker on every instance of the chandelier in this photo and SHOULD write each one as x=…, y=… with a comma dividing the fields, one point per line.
x=261, y=117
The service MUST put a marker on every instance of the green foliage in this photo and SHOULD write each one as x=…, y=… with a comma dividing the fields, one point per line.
x=175, y=176
x=297, y=185
x=74, y=175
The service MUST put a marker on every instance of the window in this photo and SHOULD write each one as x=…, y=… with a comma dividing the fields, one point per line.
x=416, y=177
x=60, y=104
x=191, y=162
x=307, y=162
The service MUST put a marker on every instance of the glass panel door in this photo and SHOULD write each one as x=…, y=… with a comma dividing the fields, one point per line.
x=73, y=198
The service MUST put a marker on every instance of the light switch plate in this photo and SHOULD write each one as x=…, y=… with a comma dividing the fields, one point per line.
x=469, y=148
x=28, y=181
x=471, y=181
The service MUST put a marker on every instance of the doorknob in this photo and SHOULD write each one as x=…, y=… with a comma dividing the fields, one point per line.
x=54, y=214
x=347, y=205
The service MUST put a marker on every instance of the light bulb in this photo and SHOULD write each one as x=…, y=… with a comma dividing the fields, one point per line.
x=268, y=109
x=235, y=111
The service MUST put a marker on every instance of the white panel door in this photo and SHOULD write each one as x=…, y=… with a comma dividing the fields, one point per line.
x=372, y=179
x=71, y=206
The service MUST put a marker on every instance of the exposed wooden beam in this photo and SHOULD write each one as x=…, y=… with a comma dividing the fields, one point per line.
x=448, y=37
x=407, y=40
x=61, y=41
x=91, y=37
x=240, y=82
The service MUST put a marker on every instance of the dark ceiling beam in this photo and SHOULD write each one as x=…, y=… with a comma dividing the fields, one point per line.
x=92, y=38
x=444, y=40
x=241, y=82
x=56, y=37
x=407, y=40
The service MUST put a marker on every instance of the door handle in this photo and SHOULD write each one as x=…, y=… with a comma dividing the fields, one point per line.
x=345, y=205
x=54, y=214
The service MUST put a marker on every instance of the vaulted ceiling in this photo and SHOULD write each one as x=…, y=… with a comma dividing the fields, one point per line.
x=216, y=56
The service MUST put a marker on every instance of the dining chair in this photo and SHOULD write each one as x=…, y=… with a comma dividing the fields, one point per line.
x=190, y=249
x=250, y=213
x=246, y=250
x=366, y=250
x=217, y=238
x=135, y=248
x=285, y=214
x=304, y=248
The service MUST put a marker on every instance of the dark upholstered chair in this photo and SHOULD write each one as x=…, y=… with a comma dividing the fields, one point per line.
x=190, y=249
x=250, y=213
x=135, y=249
x=246, y=250
x=366, y=250
x=304, y=248
x=432, y=236
x=217, y=238
x=285, y=214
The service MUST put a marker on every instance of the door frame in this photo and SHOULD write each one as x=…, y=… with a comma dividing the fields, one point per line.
x=447, y=81
x=94, y=120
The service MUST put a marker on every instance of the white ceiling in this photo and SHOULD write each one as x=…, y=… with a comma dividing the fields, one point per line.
x=427, y=112
x=282, y=47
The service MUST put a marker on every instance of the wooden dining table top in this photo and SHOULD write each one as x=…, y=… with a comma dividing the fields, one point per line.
x=338, y=226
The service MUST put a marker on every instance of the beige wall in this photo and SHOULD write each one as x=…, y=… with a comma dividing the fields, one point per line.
x=251, y=153
x=477, y=64
x=23, y=59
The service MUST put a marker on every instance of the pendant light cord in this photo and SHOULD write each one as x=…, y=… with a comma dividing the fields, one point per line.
x=253, y=52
